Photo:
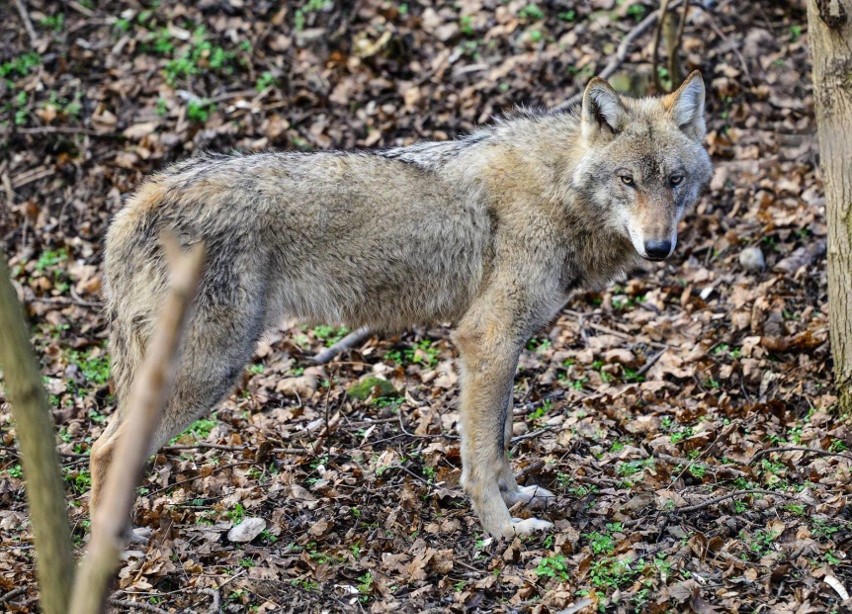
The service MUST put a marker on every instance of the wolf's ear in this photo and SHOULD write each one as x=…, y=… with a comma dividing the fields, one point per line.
x=686, y=105
x=603, y=112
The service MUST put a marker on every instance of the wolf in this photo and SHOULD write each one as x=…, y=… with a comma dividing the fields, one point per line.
x=492, y=232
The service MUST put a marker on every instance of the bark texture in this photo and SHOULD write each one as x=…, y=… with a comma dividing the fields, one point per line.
x=37, y=444
x=830, y=38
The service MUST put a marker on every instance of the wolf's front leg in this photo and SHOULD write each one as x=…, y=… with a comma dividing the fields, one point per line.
x=489, y=355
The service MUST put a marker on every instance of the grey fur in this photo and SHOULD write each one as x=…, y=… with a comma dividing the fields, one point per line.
x=491, y=231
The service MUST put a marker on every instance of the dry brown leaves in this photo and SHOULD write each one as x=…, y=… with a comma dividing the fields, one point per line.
x=664, y=393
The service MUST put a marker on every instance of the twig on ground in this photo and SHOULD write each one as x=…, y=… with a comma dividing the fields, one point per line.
x=65, y=300
x=206, y=446
x=15, y=592
x=738, y=493
x=650, y=363
x=28, y=25
x=148, y=396
x=353, y=339
x=780, y=449
x=533, y=435
x=68, y=130
x=531, y=468
x=428, y=436
x=139, y=605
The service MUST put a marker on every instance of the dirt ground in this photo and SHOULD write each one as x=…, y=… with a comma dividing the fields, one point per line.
x=686, y=417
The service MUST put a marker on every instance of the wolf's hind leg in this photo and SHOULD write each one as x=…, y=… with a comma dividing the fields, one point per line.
x=219, y=342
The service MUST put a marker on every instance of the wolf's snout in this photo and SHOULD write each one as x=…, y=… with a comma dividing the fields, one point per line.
x=658, y=250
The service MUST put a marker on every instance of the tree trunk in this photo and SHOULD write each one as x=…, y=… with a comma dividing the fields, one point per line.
x=830, y=39
x=37, y=444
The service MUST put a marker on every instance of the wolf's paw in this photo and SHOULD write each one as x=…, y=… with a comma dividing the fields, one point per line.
x=528, y=526
x=534, y=497
x=139, y=535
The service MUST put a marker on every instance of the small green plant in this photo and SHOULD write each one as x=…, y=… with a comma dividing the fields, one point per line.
x=50, y=259
x=312, y=6
x=531, y=11
x=636, y=11
x=95, y=368
x=256, y=368
x=267, y=79
x=680, y=435
x=795, y=508
x=199, y=55
x=832, y=559
x=247, y=562
x=306, y=584
x=539, y=344
x=697, y=471
x=628, y=468
x=583, y=490
x=236, y=514
x=80, y=481
x=365, y=584
x=53, y=22
x=611, y=573
x=601, y=543
x=838, y=445
x=555, y=566
x=200, y=429
x=330, y=334
x=795, y=32
x=466, y=25
x=15, y=471
x=198, y=110
x=632, y=376
x=761, y=541
x=542, y=410
x=823, y=529
x=267, y=537
x=21, y=65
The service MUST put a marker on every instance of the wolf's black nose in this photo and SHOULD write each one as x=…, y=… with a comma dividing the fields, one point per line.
x=658, y=250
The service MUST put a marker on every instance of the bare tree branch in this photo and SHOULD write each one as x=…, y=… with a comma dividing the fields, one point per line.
x=28, y=24
x=36, y=439
x=617, y=60
x=658, y=31
x=150, y=390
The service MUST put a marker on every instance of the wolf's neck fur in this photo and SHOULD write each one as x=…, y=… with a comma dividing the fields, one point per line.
x=523, y=166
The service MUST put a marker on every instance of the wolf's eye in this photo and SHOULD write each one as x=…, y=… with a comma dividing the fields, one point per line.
x=676, y=179
x=627, y=180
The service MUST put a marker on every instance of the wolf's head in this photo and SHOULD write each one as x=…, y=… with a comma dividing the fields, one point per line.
x=643, y=162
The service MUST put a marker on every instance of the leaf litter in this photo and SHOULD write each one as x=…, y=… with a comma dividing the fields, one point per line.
x=674, y=414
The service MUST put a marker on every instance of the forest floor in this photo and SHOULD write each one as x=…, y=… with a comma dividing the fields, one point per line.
x=686, y=418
